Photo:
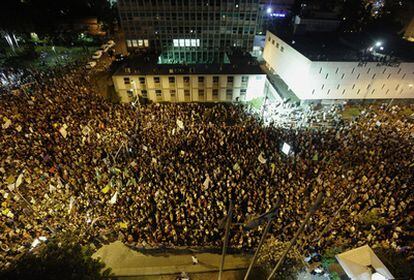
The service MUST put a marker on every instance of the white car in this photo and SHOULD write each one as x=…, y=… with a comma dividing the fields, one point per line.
x=111, y=43
x=90, y=64
x=97, y=55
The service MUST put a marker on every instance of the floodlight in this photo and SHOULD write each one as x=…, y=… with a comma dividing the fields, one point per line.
x=378, y=43
x=269, y=10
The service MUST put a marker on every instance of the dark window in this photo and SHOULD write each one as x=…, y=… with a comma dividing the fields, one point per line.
x=158, y=93
x=187, y=93
x=157, y=80
x=171, y=80
x=216, y=79
x=201, y=79
x=242, y=92
x=230, y=79
x=282, y=49
x=215, y=92
x=186, y=80
x=144, y=93
x=127, y=81
x=172, y=92
x=142, y=80
x=245, y=79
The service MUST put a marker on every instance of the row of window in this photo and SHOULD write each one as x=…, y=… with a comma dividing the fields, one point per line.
x=274, y=43
x=173, y=15
x=359, y=74
x=203, y=3
x=137, y=43
x=187, y=93
x=368, y=87
x=186, y=79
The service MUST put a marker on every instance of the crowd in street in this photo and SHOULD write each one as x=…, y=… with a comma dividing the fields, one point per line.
x=164, y=175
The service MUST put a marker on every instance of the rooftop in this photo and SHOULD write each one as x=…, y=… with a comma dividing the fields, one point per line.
x=351, y=47
x=240, y=63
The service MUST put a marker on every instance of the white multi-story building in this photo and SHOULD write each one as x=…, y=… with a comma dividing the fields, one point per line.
x=193, y=83
x=328, y=70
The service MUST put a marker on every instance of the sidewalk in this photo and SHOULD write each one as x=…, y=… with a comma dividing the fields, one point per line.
x=126, y=262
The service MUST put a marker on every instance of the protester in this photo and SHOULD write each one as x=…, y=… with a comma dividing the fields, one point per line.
x=163, y=175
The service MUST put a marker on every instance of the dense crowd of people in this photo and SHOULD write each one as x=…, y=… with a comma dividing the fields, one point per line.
x=164, y=175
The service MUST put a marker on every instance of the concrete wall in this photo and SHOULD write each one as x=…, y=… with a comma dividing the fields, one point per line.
x=312, y=80
x=193, y=91
x=288, y=63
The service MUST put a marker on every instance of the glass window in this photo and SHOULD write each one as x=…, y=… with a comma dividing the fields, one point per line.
x=245, y=79
x=201, y=79
x=230, y=79
x=157, y=80
x=215, y=92
x=146, y=44
x=127, y=81
x=242, y=92
x=144, y=93
x=172, y=92
x=187, y=93
x=186, y=80
x=171, y=80
x=158, y=93
x=142, y=80
x=229, y=94
x=216, y=79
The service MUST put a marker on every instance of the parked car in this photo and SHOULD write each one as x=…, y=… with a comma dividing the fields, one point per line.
x=97, y=55
x=111, y=43
x=90, y=64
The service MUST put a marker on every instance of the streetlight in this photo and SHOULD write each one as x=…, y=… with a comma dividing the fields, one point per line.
x=269, y=10
x=378, y=44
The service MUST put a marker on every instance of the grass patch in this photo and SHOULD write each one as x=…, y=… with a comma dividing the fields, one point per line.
x=257, y=103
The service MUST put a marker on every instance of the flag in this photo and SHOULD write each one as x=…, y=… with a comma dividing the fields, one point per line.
x=71, y=201
x=261, y=158
x=180, y=124
x=106, y=189
x=206, y=182
x=7, y=123
x=63, y=131
x=236, y=167
x=19, y=180
x=114, y=198
x=315, y=157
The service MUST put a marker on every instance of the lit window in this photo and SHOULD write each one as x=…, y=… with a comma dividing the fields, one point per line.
x=140, y=43
x=129, y=43
x=176, y=43
x=146, y=44
x=187, y=43
x=193, y=42
x=182, y=43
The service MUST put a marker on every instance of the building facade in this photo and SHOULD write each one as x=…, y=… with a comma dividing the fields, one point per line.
x=189, y=31
x=321, y=80
x=190, y=87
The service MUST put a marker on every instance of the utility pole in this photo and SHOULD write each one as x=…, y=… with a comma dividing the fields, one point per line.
x=256, y=253
x=300, y=230
x=226, y=238
x=270, y=216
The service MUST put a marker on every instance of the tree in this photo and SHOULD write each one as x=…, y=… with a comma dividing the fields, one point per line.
x=61, y=258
